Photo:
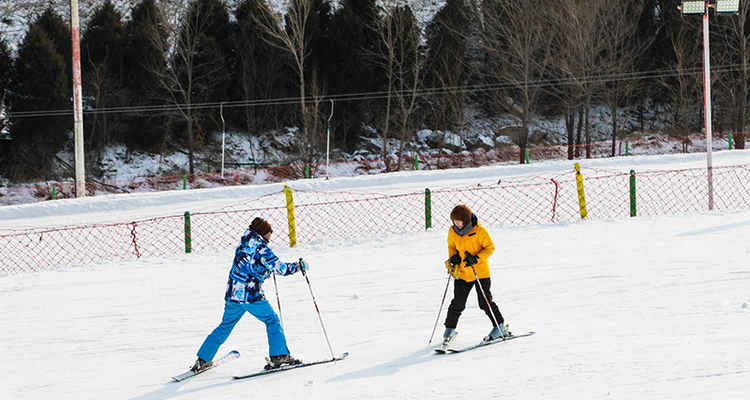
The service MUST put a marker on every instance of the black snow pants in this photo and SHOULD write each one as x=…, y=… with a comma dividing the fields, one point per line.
x=461, y=290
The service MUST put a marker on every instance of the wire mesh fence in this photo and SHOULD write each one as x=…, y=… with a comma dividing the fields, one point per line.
x=342, y=215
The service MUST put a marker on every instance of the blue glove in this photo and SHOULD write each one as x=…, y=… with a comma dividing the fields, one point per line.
x=303, y=265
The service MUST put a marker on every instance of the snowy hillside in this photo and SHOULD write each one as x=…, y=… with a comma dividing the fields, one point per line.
x=646, y=308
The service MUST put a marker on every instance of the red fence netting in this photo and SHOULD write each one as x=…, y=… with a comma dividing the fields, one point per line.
x=343, y=215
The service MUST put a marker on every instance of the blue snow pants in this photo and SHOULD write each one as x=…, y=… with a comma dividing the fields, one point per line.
x=232, y=314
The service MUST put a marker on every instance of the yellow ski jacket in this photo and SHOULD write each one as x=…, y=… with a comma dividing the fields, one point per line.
x=477, y=242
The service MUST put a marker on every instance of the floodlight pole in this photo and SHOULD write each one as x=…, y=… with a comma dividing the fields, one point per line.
x=328, y=139
x=707, y=104
x=223, y=137
x=77, y=100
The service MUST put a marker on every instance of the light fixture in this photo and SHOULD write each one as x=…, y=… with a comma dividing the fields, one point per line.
x=727, y=6
x=693, y=7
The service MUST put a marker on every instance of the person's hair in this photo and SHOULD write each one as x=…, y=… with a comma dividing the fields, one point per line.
x=461, y=213
x=261, y=226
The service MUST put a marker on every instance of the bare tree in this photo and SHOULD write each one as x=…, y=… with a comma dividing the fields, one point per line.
x=290, y=34
x=616, y=62
x=517, y=44
x=577, y=24
x=191, y=73
x=402, y=60
x=684, y=85
x=735, y=55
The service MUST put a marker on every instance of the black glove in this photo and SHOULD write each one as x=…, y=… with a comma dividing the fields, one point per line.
x=470, y=260
x=455, y=259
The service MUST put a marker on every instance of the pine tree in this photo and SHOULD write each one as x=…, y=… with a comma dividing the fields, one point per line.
x=101, y=63
x=40, y=84
x=446, y=62
x=58, y=32
x=103, y=39
x=6, y=72
x=347, y=63
x=260, y=70
x=142, y=53
x=145, y=39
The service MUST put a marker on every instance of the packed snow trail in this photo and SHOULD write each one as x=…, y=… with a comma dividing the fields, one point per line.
x=647, y=308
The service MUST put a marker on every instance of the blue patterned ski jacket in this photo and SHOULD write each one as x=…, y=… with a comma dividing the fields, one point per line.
x=253, y=263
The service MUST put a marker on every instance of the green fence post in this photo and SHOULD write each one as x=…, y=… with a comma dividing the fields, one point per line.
x=188, y=234
x=307, y=171
x=632, y=193
x=731, y=142
x=416, y=162
x=54, y=192
x=428, y=208
x=184, y=182
x=627, y=149
x=526, y=152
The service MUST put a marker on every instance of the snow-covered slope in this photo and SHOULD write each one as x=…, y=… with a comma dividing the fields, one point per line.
x=642, y=308
x=646, y=308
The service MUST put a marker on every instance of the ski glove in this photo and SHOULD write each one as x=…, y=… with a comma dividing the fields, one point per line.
x=455, y=259
x=454, y=270
x=303, y=265
x=470, y=260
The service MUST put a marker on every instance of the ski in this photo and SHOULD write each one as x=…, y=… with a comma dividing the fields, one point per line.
x=288, y=367
x=232, y=355
x=483, y=343
x=443, y=348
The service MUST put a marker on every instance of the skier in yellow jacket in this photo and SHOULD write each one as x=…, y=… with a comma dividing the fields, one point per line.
x=469, y=245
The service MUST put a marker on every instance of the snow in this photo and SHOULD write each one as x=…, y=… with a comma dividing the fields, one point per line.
x=647, y=308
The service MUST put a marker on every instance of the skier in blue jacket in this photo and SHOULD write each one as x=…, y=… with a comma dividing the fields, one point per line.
x=253, y=263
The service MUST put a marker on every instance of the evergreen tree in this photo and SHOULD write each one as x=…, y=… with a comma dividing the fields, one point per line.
x=40, y=84
x=6, y=66
x=446, y=66
x=260, y=70
x=348, y=65
x=145, y=36
x=6, y=72
x=101, y=63
x=58, y=32
x=103, y=40
x=144, y=58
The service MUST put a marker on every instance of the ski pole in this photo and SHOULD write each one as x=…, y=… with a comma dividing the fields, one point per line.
x=489, y=307
x=304, y=273
x=278, y=301
x=440, y=310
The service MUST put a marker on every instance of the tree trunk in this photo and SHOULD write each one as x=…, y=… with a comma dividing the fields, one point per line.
x=739, y=128
x=588, y=131
x=579, y=131
x=191, y=141
x=613, y=110
x=570, y=128
x=524, y=139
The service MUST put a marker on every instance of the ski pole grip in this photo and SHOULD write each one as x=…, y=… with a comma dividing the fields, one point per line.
x=304, y=273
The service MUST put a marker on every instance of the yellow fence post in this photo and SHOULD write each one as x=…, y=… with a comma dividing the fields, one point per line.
x=290, y=216
x=581, y=196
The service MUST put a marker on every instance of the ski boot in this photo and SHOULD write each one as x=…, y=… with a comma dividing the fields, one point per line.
x=279, y=361
x=498, y=332
x=448, y=336
x=200, y=364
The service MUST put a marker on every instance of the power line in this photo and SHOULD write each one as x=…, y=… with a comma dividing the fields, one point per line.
x=430, y=92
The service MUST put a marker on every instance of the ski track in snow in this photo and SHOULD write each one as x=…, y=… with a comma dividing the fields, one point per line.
x=646, y=308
